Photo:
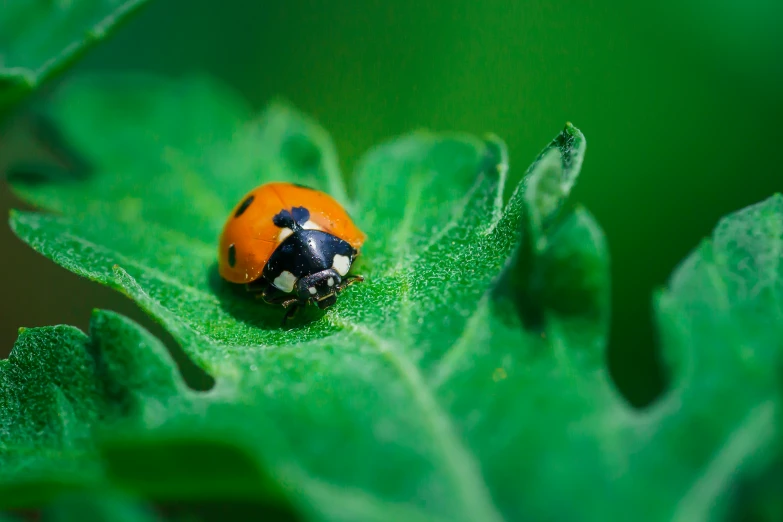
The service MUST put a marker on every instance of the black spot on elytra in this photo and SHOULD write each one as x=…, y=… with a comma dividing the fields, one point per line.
x=283, y=219
x=300, y=214
x=243, y=206
x=232, y=255
x=293, y=220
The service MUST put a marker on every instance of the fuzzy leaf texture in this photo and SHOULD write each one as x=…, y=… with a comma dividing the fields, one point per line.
x=465, y=379
x=39, y=38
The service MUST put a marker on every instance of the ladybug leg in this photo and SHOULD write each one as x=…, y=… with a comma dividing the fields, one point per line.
x=273, y=295
x=290, y=312
x=285, y=303
x=349, y=280
x=259, y=287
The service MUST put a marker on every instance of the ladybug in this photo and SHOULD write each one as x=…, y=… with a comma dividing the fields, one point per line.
x=291, y=245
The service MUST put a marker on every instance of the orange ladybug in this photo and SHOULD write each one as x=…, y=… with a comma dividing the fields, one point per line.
x=291, y=244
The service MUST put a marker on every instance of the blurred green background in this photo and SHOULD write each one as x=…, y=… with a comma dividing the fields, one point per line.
x=680, y=102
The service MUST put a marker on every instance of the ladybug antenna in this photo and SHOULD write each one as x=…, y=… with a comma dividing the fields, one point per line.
x=294, y=220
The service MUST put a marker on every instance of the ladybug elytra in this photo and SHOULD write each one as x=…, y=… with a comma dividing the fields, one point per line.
x=291, y=244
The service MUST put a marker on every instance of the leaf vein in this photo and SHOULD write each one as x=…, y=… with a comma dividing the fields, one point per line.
x=465, y=473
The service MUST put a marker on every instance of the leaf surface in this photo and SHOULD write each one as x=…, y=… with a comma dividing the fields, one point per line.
x=465, y=378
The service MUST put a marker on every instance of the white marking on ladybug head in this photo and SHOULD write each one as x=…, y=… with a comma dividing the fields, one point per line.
x=309, y=225
x=330, y=281
x=284, y=233
x=285, y=281
x=312, y=290
x=341, y=263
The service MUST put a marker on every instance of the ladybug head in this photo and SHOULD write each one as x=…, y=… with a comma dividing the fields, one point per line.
x=320, y=288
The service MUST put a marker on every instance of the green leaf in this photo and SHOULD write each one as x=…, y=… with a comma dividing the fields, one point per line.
x=64, y=396
x=463, y=380
x=163, y=254
x=96, y=507
x=40, y=38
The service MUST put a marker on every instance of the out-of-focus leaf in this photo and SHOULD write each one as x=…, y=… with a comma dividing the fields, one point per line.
x=39, y=38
